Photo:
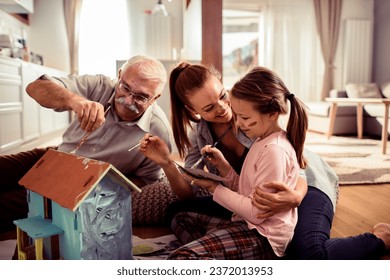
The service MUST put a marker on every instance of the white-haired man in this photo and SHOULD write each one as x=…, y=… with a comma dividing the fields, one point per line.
x=117, y=111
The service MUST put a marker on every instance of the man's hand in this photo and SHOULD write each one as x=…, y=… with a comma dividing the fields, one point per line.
x=90, y=114
x=54, y=95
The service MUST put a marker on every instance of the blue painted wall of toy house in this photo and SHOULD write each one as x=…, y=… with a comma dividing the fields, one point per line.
x=72, y=222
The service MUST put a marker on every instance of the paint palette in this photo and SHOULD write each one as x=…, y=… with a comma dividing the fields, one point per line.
x=201, y=174
x=146, y=247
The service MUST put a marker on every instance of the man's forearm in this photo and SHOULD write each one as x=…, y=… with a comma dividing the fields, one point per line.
x=51, y=95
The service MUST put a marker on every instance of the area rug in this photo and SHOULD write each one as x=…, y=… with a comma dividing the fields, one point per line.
x=154, y=248
x=355, y=161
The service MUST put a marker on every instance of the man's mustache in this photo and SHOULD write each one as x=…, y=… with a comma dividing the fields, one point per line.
x=131, y=107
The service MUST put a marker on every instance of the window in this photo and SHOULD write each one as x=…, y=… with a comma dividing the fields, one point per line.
x=104, y=36
x=278, y=34
x=240, y=43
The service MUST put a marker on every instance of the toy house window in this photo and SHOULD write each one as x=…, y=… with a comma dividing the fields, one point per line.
x=47, y=208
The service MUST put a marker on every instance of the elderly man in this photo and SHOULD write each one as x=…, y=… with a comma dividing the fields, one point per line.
x=117, y=113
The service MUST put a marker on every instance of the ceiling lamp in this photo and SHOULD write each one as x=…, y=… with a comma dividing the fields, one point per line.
x=159, y=9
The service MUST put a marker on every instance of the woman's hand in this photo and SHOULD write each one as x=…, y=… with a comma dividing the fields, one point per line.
x=207, y=184
x=270, y=204
x=216, y=158
x=154, y=148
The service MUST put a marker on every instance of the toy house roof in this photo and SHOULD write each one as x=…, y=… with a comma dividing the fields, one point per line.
x=67, y=178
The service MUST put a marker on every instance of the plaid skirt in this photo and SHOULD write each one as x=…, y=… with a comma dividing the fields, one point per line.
x=207, y=237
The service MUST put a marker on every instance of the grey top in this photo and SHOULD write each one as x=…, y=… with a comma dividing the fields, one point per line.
x=111, y=142
x=318, y=173
x=321, y=176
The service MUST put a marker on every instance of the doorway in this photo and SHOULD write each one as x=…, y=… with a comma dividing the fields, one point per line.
x=240, y=43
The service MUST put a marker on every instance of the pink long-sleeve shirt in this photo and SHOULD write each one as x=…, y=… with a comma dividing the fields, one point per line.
x=269, y=159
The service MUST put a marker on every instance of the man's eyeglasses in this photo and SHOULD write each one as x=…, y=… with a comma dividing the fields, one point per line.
x=137, y=97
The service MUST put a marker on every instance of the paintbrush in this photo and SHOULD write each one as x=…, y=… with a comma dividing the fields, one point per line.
x=212, y=146
x=87, y=134
x=132, y=148
x=139, y=144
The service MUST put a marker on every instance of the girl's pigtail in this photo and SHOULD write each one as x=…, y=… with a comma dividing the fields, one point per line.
x=297, y=126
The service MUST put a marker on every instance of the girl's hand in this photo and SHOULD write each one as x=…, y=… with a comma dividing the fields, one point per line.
x=285, y=198
x=216, y=158
x=154, y=148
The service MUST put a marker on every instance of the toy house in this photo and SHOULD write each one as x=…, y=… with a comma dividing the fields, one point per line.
x=83, y=205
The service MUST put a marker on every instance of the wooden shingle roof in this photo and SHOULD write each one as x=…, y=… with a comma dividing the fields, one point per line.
x=67, y=178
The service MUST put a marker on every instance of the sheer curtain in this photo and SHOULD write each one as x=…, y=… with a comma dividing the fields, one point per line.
x=328, y=15
x=291, y=46
x=104, y=36
x=72, y=9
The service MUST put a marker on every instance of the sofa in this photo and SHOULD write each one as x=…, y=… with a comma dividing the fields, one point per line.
x=345, y=123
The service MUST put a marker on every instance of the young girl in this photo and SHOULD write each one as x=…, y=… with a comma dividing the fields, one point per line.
x=276, y=155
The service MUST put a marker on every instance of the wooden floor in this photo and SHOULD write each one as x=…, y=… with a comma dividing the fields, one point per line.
x=359, y=208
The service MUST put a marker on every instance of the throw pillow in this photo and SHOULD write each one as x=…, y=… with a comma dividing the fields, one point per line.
x=150, y=206
x=363, y=91
x=386, y=89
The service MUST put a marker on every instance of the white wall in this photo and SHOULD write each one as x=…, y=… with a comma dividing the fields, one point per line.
x=45, y=34
x=352, y=9
x=138, y=31
x=48, y=34
x=192, y=30
x=381, y=70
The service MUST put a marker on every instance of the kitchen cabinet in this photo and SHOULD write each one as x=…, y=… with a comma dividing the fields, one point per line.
x=17, y=6
x=10, y=104
x=22, y=120
x=30, y=114
x=38, y=120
